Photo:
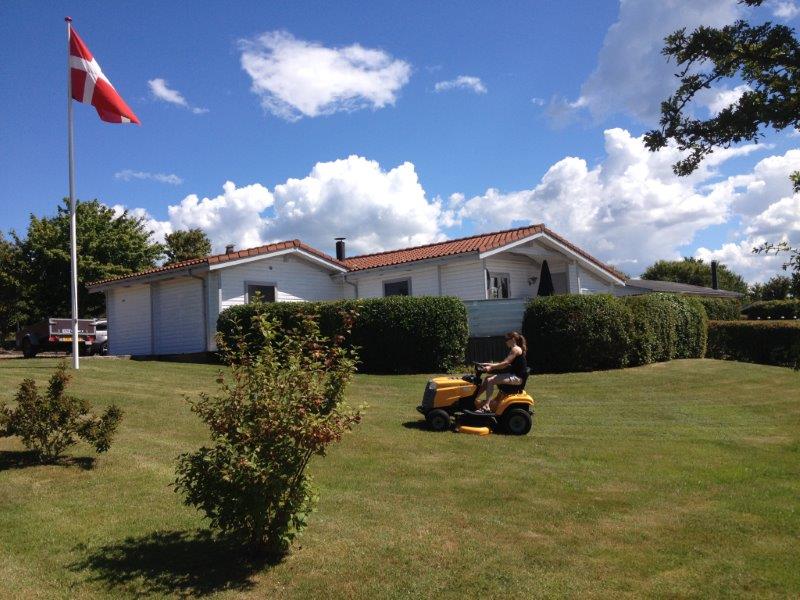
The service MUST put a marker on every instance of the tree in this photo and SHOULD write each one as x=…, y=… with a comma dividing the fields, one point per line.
x=109, y=245
x=694, y=272
x=283, y=404
x=50, y=423
x=10, y=313
x=185, y=244
x=766, y=58
x=779, y=287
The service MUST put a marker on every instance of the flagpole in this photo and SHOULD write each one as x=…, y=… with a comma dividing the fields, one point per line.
x=73, y=234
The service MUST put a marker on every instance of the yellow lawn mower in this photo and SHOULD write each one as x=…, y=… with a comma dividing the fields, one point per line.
x=453, y=399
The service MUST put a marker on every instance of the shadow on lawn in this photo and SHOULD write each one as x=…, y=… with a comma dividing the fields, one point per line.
x=419, y=424
x=28, y=458
x=185, y=563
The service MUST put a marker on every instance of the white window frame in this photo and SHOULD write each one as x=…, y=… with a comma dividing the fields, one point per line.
x=247, y=285
x=397, y=280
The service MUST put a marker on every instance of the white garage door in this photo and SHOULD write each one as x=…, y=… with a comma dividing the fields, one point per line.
x=129, y=320
x=178, y=325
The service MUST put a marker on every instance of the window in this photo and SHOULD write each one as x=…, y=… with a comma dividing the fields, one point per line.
x=497, y=285
x=400, y=287
x=265, y=292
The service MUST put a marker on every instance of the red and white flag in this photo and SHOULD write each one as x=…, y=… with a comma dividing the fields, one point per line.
x=91, y=86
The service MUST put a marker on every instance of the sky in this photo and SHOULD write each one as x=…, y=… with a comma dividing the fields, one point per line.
x=392, y=124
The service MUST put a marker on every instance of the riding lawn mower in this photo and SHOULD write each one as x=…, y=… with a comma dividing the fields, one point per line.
x=448, y=399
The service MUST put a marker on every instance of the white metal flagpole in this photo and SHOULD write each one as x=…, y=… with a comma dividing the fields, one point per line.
x=73, y=234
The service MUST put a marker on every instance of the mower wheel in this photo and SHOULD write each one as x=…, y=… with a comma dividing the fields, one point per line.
x=517, y=421
x=438, y=420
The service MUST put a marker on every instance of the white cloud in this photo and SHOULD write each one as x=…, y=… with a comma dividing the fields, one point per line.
x=462, y=82
x=785, y=9
x=130, y=174
x=629, y=210
x=632, y=75
x=538, y=101
x=718, y=99
x=296, y=78
x=161, y=90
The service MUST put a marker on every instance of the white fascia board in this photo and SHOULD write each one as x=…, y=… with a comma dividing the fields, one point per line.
x=150, y=278
x=300, y=251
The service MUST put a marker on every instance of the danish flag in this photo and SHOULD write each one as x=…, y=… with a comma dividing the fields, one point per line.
x=91, y=86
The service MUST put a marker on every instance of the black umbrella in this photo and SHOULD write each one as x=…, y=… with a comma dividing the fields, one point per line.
x=546, y=284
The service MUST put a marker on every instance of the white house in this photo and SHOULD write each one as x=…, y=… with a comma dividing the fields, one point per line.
x=174, y=309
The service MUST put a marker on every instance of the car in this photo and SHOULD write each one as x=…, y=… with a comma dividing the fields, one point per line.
x=100, y=345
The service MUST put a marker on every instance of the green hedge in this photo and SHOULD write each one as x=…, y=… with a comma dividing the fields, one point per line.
x=399, y=334
x=722, y=309
x=765, y=342
x=586, y=333
x=773, y=309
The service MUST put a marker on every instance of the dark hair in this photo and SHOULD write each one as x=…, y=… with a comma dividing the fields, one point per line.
x=519, y=340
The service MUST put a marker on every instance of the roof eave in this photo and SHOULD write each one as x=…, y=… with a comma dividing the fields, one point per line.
x=148, y=277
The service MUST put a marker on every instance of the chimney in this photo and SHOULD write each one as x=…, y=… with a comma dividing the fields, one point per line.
x=229, y=249
x=340, y=248
x=714, y=282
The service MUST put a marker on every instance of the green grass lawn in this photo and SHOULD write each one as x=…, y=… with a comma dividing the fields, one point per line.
x=679, y=479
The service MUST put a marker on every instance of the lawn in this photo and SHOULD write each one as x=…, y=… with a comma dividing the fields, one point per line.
x=679, y=479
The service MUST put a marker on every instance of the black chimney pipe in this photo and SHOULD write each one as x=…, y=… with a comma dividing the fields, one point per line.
x=714, y=282
x=229, y=249
x=340, y=248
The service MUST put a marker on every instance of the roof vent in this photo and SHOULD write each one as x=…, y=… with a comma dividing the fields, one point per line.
x=340, y=248
x=229, y=249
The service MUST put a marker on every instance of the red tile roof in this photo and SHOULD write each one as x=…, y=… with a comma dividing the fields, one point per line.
x=475, y=243
x=215, y=259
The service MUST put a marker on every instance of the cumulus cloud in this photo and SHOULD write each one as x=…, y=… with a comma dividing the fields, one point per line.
x=462, y=82
x=785, y=9
x=130, y=174
x=297, y=78
x=718, y=99
x=161, y=91
x=353, y=197
x=632, y=75
x=630, y=209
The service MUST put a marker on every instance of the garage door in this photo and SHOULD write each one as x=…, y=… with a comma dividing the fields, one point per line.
x=178, y=325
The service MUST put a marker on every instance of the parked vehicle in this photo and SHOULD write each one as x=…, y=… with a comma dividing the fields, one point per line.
x=100, y=345
x=55, y=335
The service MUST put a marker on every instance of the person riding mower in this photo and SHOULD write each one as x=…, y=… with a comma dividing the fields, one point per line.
x=448, y=398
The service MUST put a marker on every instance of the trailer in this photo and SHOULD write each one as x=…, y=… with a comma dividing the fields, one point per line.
x=55, y=335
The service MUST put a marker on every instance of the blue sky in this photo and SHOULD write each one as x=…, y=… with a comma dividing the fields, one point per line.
x=328, y=121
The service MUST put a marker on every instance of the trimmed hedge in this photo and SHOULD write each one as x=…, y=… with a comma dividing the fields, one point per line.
x=399, y=334
x=587, y=333
x=765, y=342
x=773, y=309
x=722, y=309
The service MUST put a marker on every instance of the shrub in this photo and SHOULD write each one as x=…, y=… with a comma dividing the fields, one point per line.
x=577, y=333
x=722, y=309
x=398, y=334
x=691, y=327
x=765, y=342
x=773, y=309
x=281, y=404
x=654, y=328
x=50, y=423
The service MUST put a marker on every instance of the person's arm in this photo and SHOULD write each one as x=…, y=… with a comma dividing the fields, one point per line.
x=506, y=362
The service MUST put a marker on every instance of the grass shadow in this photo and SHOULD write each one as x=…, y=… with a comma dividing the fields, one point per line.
x=420, y=425
x=183, y=563
x=29, y=458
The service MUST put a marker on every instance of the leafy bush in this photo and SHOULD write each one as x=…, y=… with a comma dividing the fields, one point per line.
x=282, y=403
x=765, y=342
x=773, y=309
x=722, y=309
x=577, y=333
x=585, y=333
x=50, y=423
x=398, y=334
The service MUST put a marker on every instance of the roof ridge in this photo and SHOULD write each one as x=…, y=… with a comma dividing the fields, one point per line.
x=450, y=241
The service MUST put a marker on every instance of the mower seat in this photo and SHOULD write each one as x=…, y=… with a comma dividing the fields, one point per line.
x=508, y=388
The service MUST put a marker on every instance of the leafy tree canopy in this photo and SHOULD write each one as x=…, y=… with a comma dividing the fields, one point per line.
x=779, y=287
x=109, y=245
x=694, y=272
x=765, y=57
x=185, y=244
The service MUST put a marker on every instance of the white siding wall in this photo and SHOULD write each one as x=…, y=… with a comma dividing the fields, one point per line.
x=519, y=269
x=213, y=281
x=178, y=324
x=128, y=310
x=464, y=279
x=591, y=284
x=294, y=278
